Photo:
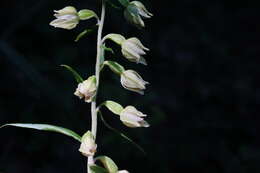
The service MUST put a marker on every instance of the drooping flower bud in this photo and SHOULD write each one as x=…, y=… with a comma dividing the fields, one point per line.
x=132, y=81
x=87, y=89
x=133, y=49
x=134, y=13
x=88, y=146
x=131, y=117
x=67, y=18
x=123, y=171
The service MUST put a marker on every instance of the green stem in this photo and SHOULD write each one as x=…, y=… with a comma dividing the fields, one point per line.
x=99, y=54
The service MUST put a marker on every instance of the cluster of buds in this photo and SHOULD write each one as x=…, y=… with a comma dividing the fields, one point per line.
x=132, y=49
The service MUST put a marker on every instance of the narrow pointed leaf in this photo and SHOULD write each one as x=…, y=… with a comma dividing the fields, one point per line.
x=97, y=169
x=108, y=49
x=113, y=5
x=108, y=163
x=47, y=127
x=115, y=67
x=121, y=134
x=83, y=34
x=113, y=107
x=124, y=2
x=78, y=78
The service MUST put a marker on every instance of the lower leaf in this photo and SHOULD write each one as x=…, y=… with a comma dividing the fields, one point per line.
x=47, y=127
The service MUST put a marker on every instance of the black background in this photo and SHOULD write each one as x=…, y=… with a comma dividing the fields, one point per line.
x=202, y=102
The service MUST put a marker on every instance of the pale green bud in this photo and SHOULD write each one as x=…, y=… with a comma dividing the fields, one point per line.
x=132, y=81
x=133, y=50
x=134, y=13
x=87, y=89
x=131, y=117
x=88, y=146
x=67, y=18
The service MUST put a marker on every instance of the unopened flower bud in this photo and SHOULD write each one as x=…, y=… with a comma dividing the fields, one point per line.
x=134, y=13
x=88, y=146
x=132, y=81
x=67, y=18
x=131, y=117
x=133, y=50
x=123, y=171
x=87, y=89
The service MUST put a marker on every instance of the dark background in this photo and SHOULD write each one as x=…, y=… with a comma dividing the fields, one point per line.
x=202, y=102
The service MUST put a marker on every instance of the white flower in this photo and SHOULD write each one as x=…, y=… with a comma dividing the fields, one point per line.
x=67, y=18
x=132, y=81
x=131, y=117
x=134, y=13
x=123, y=171
x=133, y=49
x=88, y=146
x=87, y=89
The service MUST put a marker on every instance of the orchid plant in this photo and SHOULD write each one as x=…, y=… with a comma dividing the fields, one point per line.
x=133, y=50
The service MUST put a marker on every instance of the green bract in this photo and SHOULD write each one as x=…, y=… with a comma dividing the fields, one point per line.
x=114, y=107
x=115, y=67
x=117, y=38
x=110, y=165
x=77, y=77
x=124, y=2
x=86, y=14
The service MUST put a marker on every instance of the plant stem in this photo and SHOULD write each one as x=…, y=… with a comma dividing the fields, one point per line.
x=97, y=73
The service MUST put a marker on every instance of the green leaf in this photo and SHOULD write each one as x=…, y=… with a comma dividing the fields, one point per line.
x=115, y=67
x=97, y=169
x=113, y=107
x=117, y=38
x=78, y=78
x=107, y=49
x=47, y=127
x=108, y=163
x=124, y=2
x=86, y=14
x=113, y=5
x=83, y=34
x=121, y=134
